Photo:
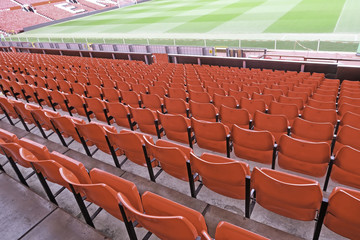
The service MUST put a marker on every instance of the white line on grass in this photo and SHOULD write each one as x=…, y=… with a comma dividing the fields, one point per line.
x=342, y=11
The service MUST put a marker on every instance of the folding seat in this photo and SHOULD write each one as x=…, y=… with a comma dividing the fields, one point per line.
x=177, y=128
x=177, y=85
x=65, y=86
x=346, y=107
x=212, y=91
x=274, y=92
x=65, y=127
x=178, y=93
x=347, y=136
x=130, y=98
x=29, y=93
x=250, y=89
x=351, y=119
x=266, y=97
x=211, y=84
x=147, y=121
x=225, y=231
x=252, y=145
x=324, y=98
x=133, y=146
x=5, y=87
x=51, y=84
x=158, y=90
x=8, y=137
x=341, y=213
x=159, y=84
x=349, y=100
x=228, y=101
x=93, y=91
x=58, y=100
x=204, y=111
x=11, y=151
x=7, y=108
x=230, y=86
x=285, y=194
x=48, y=170
x=195, y=88
x=307, y=90
x=97, y=107
x=351, y=94
x=16, y=90
x=164, y=218
x=320, y=104
x=76, y=104
x=200, y=97
x=327, y=92
x=123, y=86
x=310, y=158
x=213, y=136
x=152, y=102
x=95, y=81
x=303, y=95
x=121, y=114
x=102, y=191
x=59, y=76
x=222, y=175
x=70, y=78
x=139, y=88
x=239, y=95
x=276, y=124
x=312, y=131
x=312, y=86
x=79, y=89
x=42, y=120
x=177, y=106
x=111, y=95
x=329, y=87
x=195, y=82
x=94, y=134
x=320, y=115
x=283, y=87
x=231, y=116
x=24, y=112
x=291, y=111
x=253, y=105
x=107, y=83
x=171, y=156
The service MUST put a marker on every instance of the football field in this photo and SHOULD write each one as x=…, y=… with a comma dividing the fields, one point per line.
x=219, y=23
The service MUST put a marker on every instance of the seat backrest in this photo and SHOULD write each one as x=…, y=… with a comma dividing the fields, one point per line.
x=299, y=102
x=222, y=175
x=238, y=95
x=131, y=143
x=176, y=126
x=321, y=104
x=40, y=151
x=210, y=135
x=276, y=124
x=130, y=98
x=342, y=213
x=12, y=150
x=320, y=115
x=253, y=145
x=291, y=111
x=167, y=227
x=66, y=126
x=347, y=107
x=228, y=101
x=312, y=131
x=286, y=194
x=302, y=156
x=230, y=116
x=176, y=106
x=151, y=101
x=347, y=136
x=125, y=187
x=172, y=157
x=203, y=111
x=266, y=97
x=8, y=137
x=95, y=134
x=226, y=231
x=351, y=119
x=160, y=206
x=200, y=97
x=253, y=105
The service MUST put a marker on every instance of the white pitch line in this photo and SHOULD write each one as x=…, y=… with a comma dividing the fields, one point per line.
x=342, y=11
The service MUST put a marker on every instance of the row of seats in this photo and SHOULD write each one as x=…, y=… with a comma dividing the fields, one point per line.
x=162, y=217
x=276, y=191
x=312, y=157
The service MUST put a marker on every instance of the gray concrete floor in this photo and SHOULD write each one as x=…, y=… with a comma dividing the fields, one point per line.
x=114, y=228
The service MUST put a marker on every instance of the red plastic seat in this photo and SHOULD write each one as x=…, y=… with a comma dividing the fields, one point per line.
x=276, y=124
x=147, y=121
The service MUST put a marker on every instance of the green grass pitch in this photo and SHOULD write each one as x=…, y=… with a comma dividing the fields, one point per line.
x=213, y=19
